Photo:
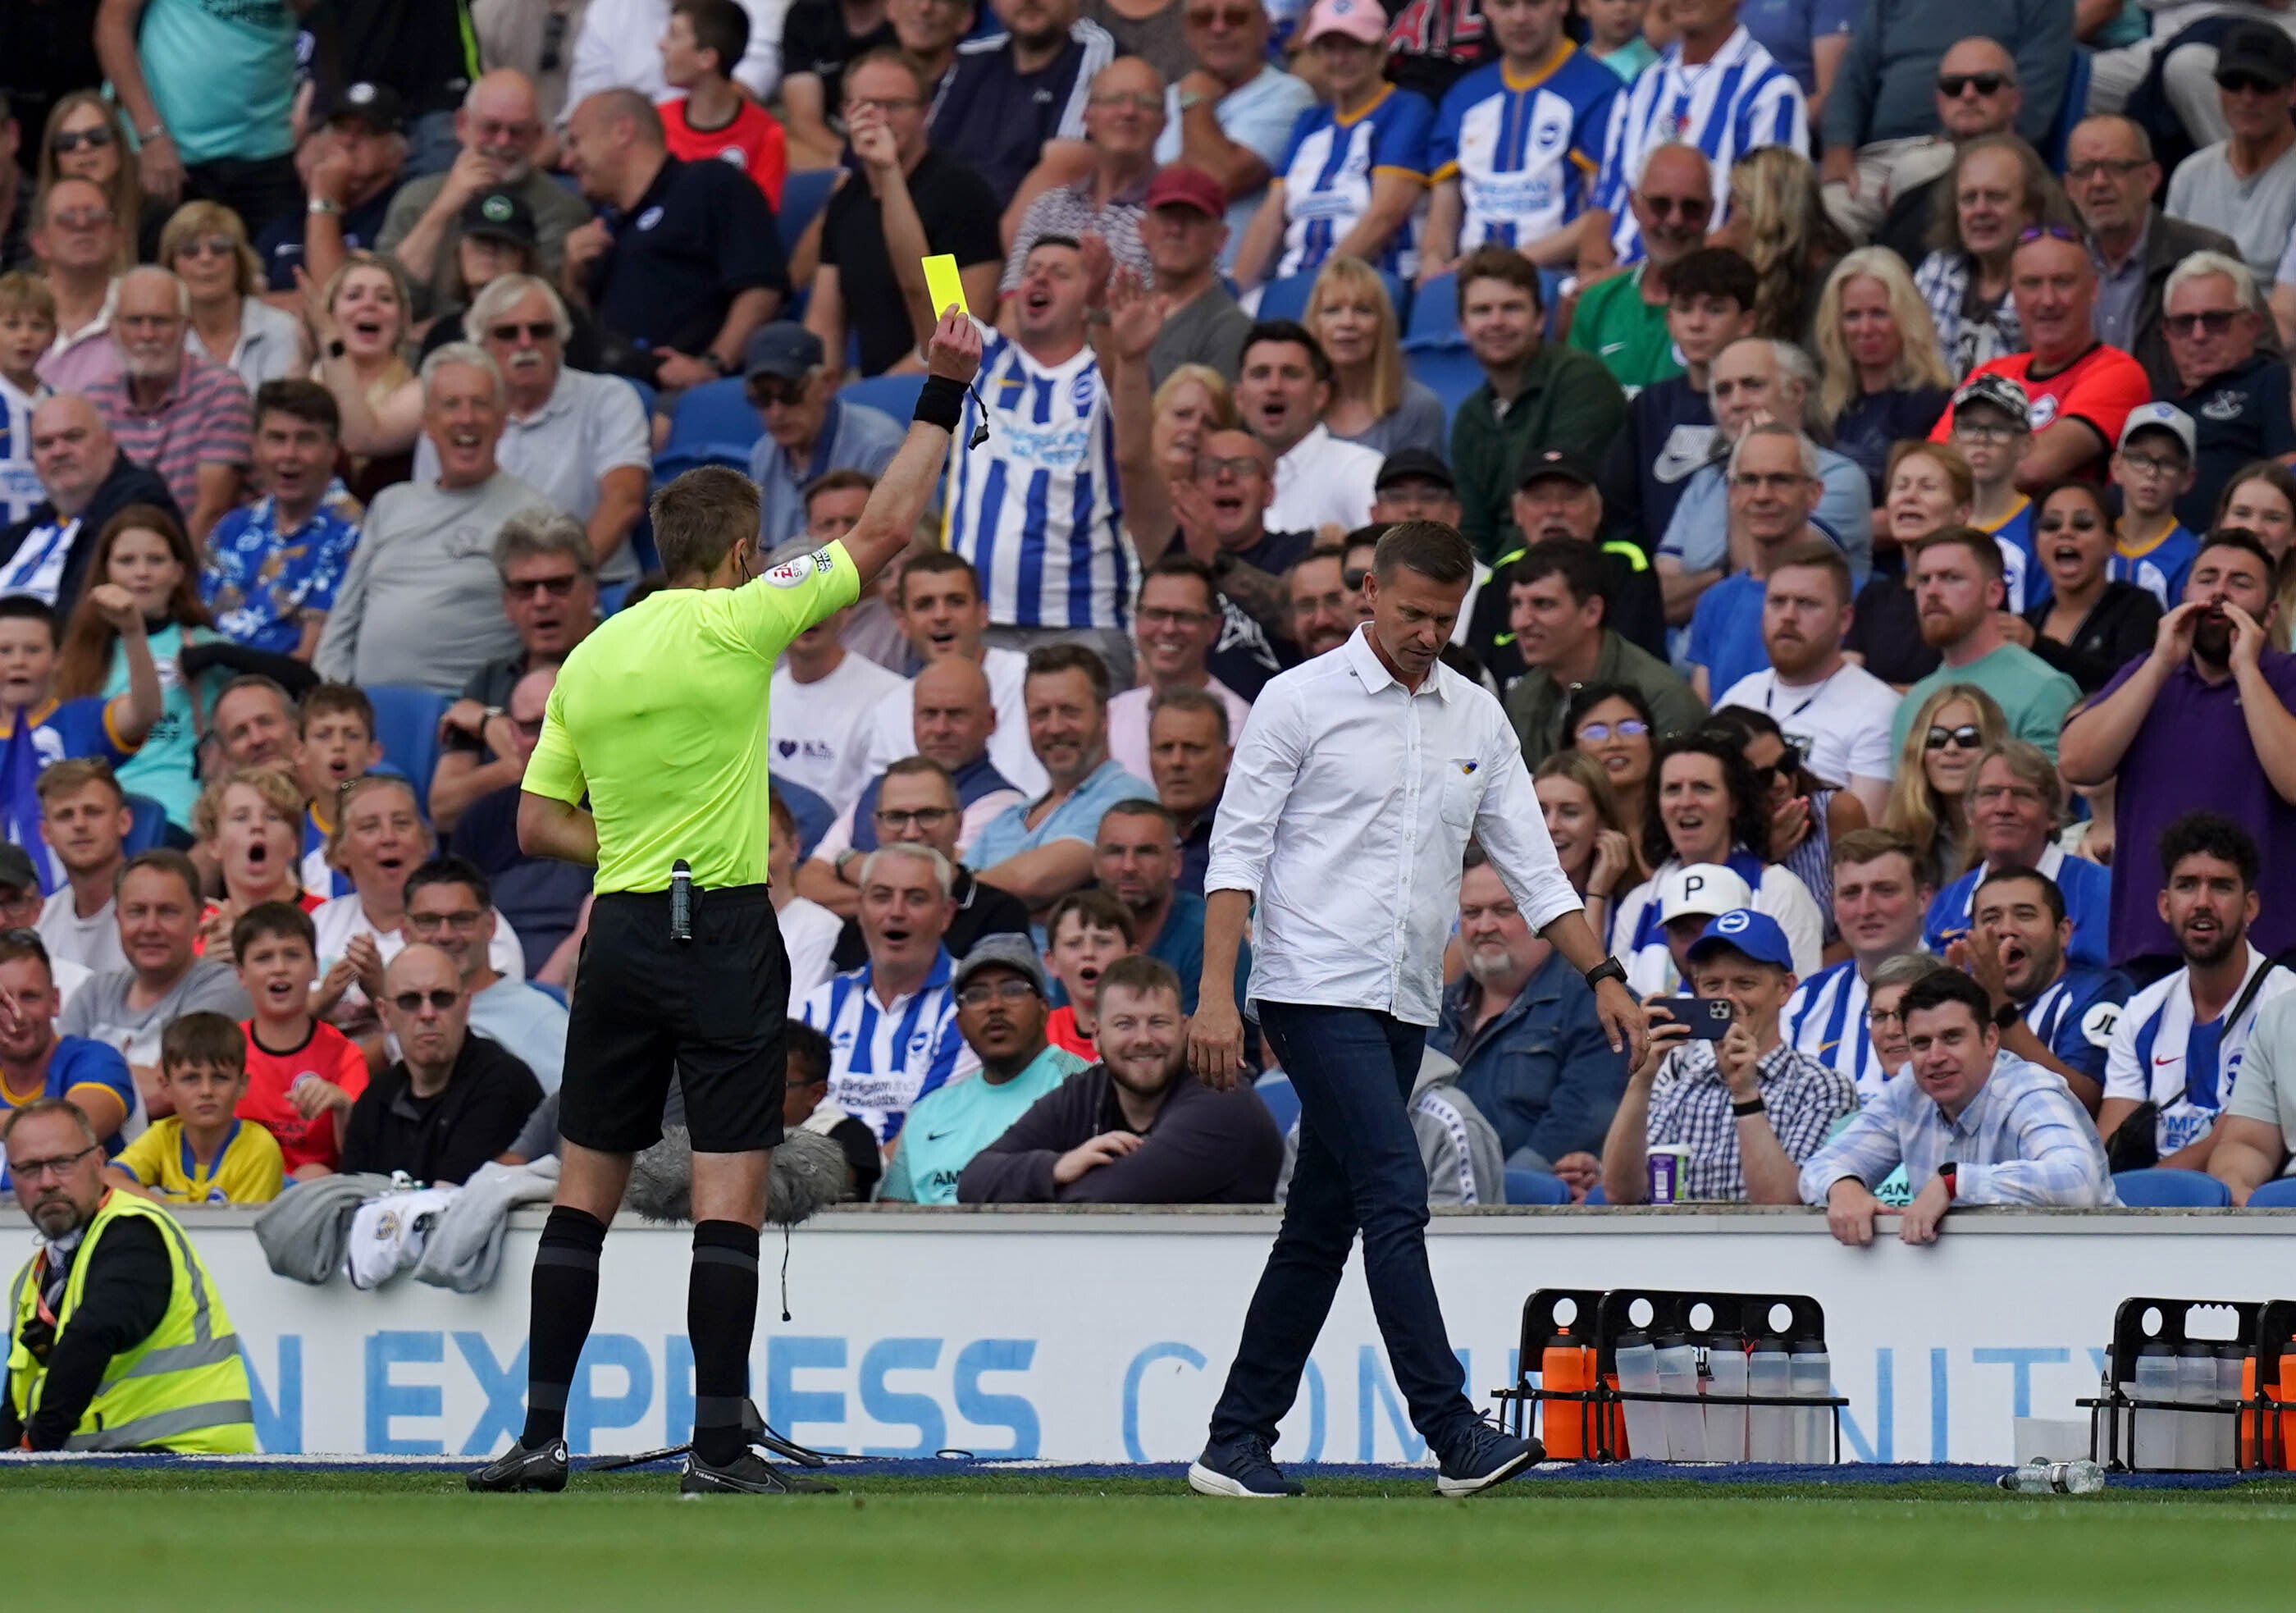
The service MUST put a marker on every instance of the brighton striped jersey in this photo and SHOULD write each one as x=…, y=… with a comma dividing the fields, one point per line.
x=1525, y=154
x=1035, y=507
x=2075, y=1018
x=1328, y=171
x=1826, y=1018
x=1736, y=102
x=883, y=1056
x=2160, y=567
x=19, y=488
x=2159, y=1053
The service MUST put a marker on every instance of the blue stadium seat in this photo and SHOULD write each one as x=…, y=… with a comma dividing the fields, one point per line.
x=711, y=425
x=1434, y=319
x=556, y=994
x=813, y=814
x=2278, y=1194
x=804, y=193
x=895, y=395
x=1287, y=298
x=1526, y=1186
x=406, y=725
x=1450, y=373
x=1275, y=1090
x=147, y=825
x=2162, y=1189
x=1595, y=1194
x=646, y=394
x=2071, y=111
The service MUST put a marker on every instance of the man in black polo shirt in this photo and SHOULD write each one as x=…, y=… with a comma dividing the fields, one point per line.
x=352, y=175
x=903, y=201
x=818, y=42
x=2237, y=397
x=684, y=264
x=1008, y=97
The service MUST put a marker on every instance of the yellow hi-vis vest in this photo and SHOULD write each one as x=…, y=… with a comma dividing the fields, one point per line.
x=183, y=1388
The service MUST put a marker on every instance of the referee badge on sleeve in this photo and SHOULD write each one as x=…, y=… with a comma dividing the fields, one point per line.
x=791, y=573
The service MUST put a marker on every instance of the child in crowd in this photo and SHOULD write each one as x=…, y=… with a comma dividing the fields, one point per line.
x=1614, y=36
x=36, y=730
x=303, y=1075
x=28, y=326
x=2153, y=469
x=715, y=120
x=1992, y=426
x=203, y=1153
x=337, y=728
x=1087, y=930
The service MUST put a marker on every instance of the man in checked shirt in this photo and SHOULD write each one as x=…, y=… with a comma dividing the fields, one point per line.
x=1970, y=1123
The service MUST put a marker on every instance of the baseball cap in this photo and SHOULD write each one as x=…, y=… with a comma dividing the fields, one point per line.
x=1540, y=464
x=499, y=216
x=1743, y=930
x=783, y=350
x=2000, y=392
x=2162, y=417
x=2256, y=50
x=1180, y=185
x=376, y=105
x=1003, y=950
x=1701, y=890
x=1364, y=20
x=16, y=867
x=1414, y=464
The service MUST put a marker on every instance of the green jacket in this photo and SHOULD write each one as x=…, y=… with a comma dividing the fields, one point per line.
x=1569, y=400
x=1535, y=705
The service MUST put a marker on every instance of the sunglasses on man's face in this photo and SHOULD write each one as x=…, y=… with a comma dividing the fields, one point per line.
x=2213, y=321
x=775, y=394
x=1690, y=209
x=411, y=1002
x=534, y=587
x=1966, y=737
x=536, y=331
x=2246, y=84
x=1951, y=85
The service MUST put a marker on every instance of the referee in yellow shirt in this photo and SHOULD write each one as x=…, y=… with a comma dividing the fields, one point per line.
x=658, y=718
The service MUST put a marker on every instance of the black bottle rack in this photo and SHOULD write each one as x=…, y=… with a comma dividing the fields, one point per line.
x=2266, y=1332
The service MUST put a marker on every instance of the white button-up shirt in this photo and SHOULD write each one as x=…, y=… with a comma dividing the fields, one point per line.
x=1348, y=807
x=1323, y=481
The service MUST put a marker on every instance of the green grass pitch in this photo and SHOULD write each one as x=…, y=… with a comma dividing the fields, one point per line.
x=249, y=1541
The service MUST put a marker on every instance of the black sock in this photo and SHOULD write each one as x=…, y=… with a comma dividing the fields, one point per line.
x=721, y=1312
x=565, y=1298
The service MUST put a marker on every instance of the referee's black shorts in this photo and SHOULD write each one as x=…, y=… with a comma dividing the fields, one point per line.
x=712, y=1010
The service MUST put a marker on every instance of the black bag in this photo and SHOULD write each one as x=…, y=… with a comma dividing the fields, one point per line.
x=2135, y=1144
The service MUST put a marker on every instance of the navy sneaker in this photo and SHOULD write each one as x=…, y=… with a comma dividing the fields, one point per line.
x=1487, y=1457
x=1242, y=1469
x=519, y=1469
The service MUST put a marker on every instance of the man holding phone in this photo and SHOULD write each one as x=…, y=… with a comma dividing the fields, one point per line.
x=1719, y=1080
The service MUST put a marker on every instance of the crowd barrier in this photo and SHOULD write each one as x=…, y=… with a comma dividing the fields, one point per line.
x=1082, y=1335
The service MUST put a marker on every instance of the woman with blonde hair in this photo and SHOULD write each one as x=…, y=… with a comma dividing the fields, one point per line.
x=1928, y=799
x=251, y=821
x=1193, y=402
x=86, y=138
x=1778, y=223
x=1373, y=401
x=1929, y=488
x=207, y=246
x=1881, y=378
x=360, y=323
x=1593, y=842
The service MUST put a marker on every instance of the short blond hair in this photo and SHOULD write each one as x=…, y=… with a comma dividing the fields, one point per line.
x=278, y=791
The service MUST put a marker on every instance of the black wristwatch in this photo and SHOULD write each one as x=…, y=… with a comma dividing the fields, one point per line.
x=2006, y=1016
x=1750, y=1105
x=1610, y=969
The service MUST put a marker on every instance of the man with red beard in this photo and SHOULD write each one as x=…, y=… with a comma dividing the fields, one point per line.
x=2204, y=721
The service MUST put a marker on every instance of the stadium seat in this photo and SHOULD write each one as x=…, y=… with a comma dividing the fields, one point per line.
x=2162, y=1189
x=804, y=193
x=1595, y=1194
x=556, y=994
x=2078, y=70
x=1275, y=1090
x=711, y=425
x=1287, y=298
x=1450, y=373
x=2278, y=1194
x=1526, y=1186
x=147, y=825
x=895, y=395
x=1434, y=319
x=646, y=394
x=813, y=814
x=406, y=726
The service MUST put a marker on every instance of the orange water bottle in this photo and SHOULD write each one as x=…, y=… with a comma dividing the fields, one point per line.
x=2277, y=1444
x=1566, y=1367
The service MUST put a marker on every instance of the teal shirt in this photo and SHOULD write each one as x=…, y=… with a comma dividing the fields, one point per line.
x=222, y=73
x=163, y=768
x=949, y=1125
x=1629, y=59
x=2033, y=695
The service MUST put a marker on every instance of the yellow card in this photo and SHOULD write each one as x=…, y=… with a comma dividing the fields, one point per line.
x=944, y=285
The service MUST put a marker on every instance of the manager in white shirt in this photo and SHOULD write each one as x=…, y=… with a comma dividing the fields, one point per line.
x=1355, y=788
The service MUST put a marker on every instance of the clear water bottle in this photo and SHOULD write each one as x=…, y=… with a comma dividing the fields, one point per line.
x=1769, y=1429
x=2154, y=1446
x=2230, y=1359
x=1678, y=1374
x=1726, y=1373
x=2042, y=1476
x=1812, y=1375
x=2196, y=1386
x=1636, y=1361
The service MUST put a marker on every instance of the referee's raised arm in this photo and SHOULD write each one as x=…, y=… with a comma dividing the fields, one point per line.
x=890, y=519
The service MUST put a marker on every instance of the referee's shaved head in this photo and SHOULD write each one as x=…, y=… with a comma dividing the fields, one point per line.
x=700, y=518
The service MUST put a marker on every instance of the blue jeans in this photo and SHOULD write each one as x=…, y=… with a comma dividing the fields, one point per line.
x=1358, y=1168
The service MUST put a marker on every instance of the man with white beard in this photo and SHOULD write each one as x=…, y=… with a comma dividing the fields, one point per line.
x=170, y=408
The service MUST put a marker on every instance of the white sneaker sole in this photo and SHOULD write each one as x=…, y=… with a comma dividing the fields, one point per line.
x=1459, y=1489
x=1204, y=1481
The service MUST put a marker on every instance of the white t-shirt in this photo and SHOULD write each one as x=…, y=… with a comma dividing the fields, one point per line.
x=1324, y=481
x=1128, y=722
x=1842, y=722
x=809, y=934
x=341, y=920
x=92, y=943
x=820, y=730
x=893, y=734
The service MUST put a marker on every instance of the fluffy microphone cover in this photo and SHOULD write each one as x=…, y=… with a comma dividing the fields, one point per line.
x=808, y=1171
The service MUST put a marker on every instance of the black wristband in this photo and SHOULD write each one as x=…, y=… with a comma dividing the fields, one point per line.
x=941, y=403
x=1610, y=969
x=1751, y=1106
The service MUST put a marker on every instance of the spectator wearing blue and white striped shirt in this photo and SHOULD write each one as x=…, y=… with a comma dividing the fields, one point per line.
x=1715, y=89
x=1035, y=507
x=891, y=1023
x=1969, y=1123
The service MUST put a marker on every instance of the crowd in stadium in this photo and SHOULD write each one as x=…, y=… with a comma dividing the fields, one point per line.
x=1874, y=439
